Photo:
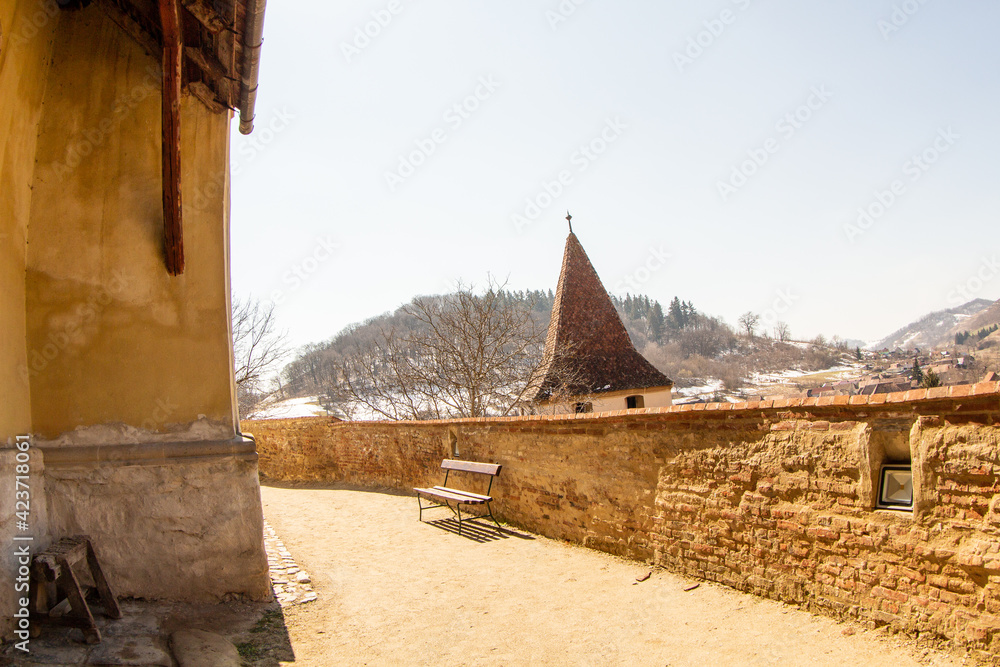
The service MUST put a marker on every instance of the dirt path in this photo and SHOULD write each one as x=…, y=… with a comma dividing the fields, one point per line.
x=395, y=591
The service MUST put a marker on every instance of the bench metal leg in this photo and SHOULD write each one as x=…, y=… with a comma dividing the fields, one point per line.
x=429, y=507
x=490, y=510
x=457, y=511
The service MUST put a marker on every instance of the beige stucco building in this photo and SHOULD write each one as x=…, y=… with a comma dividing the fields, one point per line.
x=115, y=345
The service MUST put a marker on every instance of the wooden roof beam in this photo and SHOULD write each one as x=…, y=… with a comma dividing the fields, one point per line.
x=202, y=10
x=131, y=27
x=170, y=108
x=206, y=96
x=206, y=62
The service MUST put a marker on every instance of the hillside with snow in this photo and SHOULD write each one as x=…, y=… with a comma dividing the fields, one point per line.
x=937, y=328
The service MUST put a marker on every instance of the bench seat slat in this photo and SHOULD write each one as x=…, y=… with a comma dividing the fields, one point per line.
x=472, y=466
x=477, y=496
x=449, y=494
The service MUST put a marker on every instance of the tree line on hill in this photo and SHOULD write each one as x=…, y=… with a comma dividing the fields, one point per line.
x=966, y=338
x=473, y=353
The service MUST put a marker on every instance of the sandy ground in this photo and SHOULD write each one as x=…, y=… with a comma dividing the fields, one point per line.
x=394, y=591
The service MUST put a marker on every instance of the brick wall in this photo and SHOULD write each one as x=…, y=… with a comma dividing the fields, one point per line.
x=775, y=498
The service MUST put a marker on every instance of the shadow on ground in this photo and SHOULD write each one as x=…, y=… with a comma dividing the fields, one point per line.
x=476, y=532
x=333, y=486
x=142, y=635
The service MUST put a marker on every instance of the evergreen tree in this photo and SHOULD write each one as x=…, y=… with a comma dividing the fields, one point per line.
x=656, y=322
x=917, y=374
x=931, y=380
x=857, y=353
x=689, y=312
x=675, y=317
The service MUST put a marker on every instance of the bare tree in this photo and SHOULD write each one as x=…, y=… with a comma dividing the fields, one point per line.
x=782, y=331
x=469, y=355
x=748, y=322
x=376, y=377
x=257, y=348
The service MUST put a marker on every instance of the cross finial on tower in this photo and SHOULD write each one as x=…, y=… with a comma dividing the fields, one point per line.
x=569, y=219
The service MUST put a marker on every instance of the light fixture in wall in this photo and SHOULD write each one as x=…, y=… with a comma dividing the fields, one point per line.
x=895, y=489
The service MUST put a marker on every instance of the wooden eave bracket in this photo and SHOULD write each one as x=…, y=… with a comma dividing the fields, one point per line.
x=131, y=27
x=170, y=106
x=202, y=10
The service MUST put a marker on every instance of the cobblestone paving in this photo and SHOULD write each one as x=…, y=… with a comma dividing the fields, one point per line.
x=291, y=585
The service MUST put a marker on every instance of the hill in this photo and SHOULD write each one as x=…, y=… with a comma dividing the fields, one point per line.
x=982, y=322
x=940, y=327
x=696, y=350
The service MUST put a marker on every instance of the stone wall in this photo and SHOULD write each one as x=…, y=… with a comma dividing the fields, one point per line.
x=169, y=520
x=775, y=498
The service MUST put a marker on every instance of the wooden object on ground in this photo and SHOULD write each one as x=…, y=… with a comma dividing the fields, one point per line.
x=55, y=566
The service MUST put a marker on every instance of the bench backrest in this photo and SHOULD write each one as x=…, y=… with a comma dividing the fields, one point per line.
x=472, y=466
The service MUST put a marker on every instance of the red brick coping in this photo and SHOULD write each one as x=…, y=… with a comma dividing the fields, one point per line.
x=910, y=396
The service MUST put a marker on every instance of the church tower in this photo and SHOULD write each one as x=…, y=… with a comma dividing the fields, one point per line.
x=590, y=363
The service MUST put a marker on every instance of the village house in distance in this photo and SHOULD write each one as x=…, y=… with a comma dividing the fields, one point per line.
x=590, y=364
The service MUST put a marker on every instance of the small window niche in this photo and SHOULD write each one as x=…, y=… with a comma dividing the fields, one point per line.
x=580, y=408
x=632, y=402
x=895, y=487
x=887, y=481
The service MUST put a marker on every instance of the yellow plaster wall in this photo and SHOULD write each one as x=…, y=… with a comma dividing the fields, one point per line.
x=111, y=337
x=26, y=38
x=611, y=401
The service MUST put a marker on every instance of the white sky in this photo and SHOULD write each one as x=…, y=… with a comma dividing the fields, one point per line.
x=335, y=115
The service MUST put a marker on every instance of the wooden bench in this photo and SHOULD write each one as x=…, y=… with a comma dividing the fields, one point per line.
x=446, y=495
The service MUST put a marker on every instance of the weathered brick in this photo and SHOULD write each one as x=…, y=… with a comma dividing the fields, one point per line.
x=818, y=532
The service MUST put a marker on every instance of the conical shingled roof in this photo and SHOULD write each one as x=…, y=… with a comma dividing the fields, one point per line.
x=588, y=350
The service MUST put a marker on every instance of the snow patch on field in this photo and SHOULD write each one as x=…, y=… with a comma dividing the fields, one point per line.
x=291, y=408
x=836, y=372
x=710, y=388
